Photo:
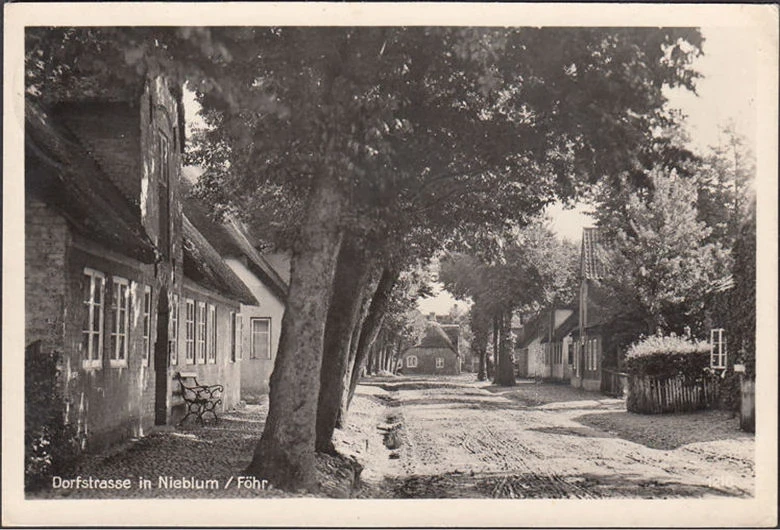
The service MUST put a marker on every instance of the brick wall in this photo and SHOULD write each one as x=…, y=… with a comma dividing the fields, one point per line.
x=46, y=240
x=109, y=403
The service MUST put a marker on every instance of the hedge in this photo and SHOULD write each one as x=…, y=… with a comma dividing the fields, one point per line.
x=50, y=443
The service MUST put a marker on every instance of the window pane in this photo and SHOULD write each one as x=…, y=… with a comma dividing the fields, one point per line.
x=98, y=290
x=263, y=350
x=260, y=325
x=87, y=291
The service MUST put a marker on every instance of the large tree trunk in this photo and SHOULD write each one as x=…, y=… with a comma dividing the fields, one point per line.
x=480, y=330
x=370, y=329
x=496, y=351
x=366, y=296
x=286, y=451
x=505, y=370
x=353, y=271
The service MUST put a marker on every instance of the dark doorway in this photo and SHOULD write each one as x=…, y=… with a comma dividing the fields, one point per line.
x=161, y=361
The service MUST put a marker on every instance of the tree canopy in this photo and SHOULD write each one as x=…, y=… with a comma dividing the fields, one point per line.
x=659, y=260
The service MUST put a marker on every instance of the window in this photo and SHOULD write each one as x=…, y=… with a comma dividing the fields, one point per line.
x=239, y=342
x=164, y=195
x=92, y=329
x=439, y=362
x=212, y=335
x=411, y=361
x=261, y=338
x=189, y=337
x=233, y=329
x=587, y=355
x=120, y=310
x=593, y=355
x=201, y=345
x=173, y=332
x=147, y=323
x=718, y=349
x=571, y=353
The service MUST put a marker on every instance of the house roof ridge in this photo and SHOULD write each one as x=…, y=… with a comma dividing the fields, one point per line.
x=207, y=267
x=267, y=270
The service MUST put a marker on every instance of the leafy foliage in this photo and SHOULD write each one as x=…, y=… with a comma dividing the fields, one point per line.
x=742, y=301
x=442, y=131
x=50, y=444
x=660, y=264
x=534, y=269
x=724, y=186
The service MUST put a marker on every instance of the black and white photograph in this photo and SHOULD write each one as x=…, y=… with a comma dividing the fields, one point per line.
x=258, y=258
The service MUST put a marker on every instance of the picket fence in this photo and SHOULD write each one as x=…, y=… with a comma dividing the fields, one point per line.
x=648, y=395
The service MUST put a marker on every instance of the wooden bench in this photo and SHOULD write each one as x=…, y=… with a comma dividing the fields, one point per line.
x=199, y=399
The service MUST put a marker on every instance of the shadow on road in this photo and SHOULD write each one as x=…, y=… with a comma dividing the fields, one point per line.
x=666, y=431
x=538, y=486
x=534, y=394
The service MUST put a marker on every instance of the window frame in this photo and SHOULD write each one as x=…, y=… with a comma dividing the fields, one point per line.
x=189, y=331
x=409, y=364
x=439, y=362
x=269, y=354
x=119, y=284
x=96, y=361
x=146, y=324
x=233, y=338
x=211, y=335
x=201, y=333
x=164, y=214
x=718, y=349
x=173, y=329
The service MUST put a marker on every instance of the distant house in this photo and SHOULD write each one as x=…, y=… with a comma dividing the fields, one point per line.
x=436, y=354
x=117, y=280
x=542, y=348
x=259, y=325
x=591, y=335
x=558, y=344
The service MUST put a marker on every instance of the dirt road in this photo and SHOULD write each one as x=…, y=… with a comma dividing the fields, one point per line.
x=454, y=437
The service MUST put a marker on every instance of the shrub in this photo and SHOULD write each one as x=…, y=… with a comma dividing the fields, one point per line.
x=668, y=356
x=50, y=444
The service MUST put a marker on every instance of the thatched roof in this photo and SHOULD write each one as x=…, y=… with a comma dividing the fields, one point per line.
x=230, y=239
x=59, y=171
x=204, y=265
x=435, y=337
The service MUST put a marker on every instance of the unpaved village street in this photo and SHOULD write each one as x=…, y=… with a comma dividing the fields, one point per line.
x=440, y=437
x=459, y=438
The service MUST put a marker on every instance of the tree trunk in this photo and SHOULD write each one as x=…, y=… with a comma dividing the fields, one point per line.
x=370, y=329
x=366, y=296
x=496, y=352
x=505, y=370
x=480, y=331
x=285, y=452
x=353, y=271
